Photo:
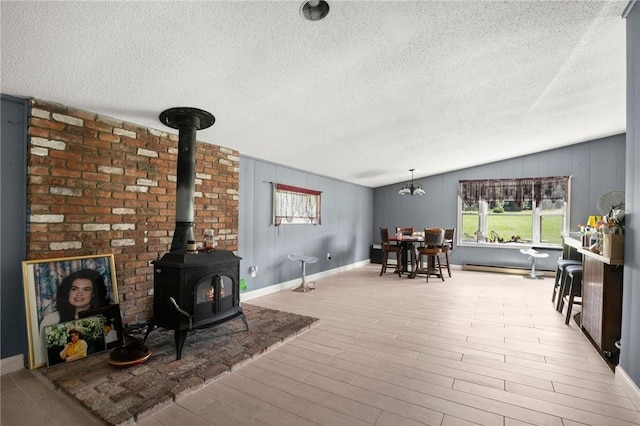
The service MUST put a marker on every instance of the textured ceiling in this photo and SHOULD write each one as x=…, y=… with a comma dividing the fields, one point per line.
x=374, y=89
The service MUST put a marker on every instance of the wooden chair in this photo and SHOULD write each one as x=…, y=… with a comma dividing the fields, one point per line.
x=447, y=247
x=407, y=255
x=406, y=232
x=432, y=249
x=390, y=248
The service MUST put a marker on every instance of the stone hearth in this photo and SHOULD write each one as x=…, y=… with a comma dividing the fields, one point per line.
x=122, y=395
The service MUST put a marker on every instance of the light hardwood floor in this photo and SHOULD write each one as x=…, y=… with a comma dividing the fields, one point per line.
x=479, y=348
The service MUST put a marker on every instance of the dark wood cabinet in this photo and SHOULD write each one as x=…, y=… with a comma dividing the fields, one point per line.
x=601, y=317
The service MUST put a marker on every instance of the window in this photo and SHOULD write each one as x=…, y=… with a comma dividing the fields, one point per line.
x=294, y=205
x=531, y=210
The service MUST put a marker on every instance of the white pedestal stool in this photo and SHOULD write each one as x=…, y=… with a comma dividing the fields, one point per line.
x=533, y=255
x=303, y=287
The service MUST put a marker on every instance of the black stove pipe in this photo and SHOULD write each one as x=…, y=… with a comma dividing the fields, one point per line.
x=187, y=121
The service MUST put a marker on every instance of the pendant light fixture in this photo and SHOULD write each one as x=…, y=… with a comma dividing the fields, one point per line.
x=412, y=188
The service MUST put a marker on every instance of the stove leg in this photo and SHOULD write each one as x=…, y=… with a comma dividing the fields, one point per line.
x=150, y=328
x=180, y=337
x=244, y=320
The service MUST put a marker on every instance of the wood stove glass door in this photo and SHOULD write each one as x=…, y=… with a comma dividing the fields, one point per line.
x=214, y=295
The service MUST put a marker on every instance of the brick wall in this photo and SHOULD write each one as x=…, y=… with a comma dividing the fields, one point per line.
x=98, y=185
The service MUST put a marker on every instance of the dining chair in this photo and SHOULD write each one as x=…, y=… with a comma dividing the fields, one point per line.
x=406, y=247
x=447, y=247
x=404, y=231
x=432, y=249
x=390, y=248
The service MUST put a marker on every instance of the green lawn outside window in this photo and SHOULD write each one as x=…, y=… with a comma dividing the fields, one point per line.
x=508, y=225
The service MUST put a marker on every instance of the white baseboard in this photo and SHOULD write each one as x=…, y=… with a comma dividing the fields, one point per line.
x=11, y=364
x=630, y=388
x=244, y=297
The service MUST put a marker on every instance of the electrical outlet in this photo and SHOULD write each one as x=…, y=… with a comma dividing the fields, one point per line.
x=328, y=256
x=253, y=271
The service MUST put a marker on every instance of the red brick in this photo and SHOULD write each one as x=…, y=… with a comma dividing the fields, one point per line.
x=101, y=177
x=110, y=137
x=47, y=124
x=65, y=136
x=74, y=174
x=39, y=132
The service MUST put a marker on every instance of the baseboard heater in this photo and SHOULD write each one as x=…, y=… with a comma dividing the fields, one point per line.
x=515, y=270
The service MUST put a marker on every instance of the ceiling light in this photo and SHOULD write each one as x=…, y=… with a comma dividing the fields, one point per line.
x=314, y=10
x=412, y=188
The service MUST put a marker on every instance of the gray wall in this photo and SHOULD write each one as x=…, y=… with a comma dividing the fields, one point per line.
x=596, y=167
x=630, y=352
x=344, y=232
x=13, y=223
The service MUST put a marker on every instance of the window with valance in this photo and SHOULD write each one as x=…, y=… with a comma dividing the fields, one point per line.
x=518, y=210
x=295, y=205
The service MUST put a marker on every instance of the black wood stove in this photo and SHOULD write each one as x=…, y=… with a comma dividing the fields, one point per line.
x=192, y=289
x=195, y=291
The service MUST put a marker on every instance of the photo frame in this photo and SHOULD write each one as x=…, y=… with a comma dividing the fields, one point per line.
x=47, y=289
x=74, y=340
x=112, y=324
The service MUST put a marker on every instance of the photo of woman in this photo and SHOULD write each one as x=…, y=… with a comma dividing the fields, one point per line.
x=75, y=348
x=73, y=340
x=82, y=290
x=58, y=290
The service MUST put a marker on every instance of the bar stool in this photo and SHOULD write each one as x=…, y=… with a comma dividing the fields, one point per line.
x=433, y=241
x=389, y=248
x=303, y=287
x=562, y=263
x=564, y=286
x=573, y=282
x=533, y=255
x=447, y=247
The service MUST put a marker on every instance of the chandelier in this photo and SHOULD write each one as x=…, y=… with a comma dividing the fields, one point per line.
x=412, y=188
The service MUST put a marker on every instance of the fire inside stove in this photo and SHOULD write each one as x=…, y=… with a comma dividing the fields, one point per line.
x=206, y=291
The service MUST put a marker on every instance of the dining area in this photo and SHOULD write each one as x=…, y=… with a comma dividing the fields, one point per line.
x=411, y=253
